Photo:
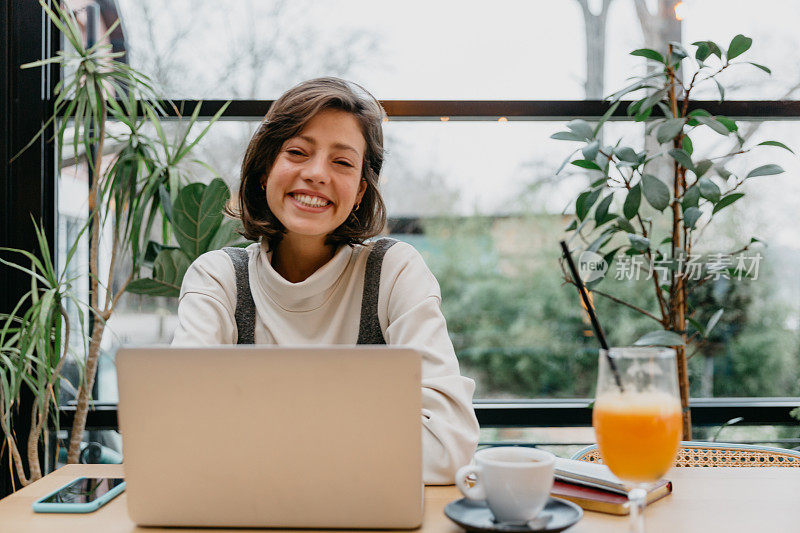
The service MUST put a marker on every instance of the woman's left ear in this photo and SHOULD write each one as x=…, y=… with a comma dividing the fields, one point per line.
x=362, y=188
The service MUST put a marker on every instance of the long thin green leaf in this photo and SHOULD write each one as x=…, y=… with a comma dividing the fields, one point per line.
x=102, y=39
x=55, y=19
x=42, y=62
x=44, y=249
x=156, y=123
x=180, y=145
x=34, y=138
x=202, y=134
x=29, y=271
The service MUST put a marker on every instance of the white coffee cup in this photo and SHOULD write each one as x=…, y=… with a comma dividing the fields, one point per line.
x=515, y=481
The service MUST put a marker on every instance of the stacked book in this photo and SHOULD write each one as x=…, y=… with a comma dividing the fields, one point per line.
x=595, y=488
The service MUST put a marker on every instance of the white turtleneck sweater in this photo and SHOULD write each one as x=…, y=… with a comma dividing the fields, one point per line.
x=326, y=309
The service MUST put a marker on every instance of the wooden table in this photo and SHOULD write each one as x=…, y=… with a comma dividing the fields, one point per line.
x=704, y=499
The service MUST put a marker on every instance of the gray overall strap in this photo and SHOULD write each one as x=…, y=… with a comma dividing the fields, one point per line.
x=245, y=306
x=370, y=329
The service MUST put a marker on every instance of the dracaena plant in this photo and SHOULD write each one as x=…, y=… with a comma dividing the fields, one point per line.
x=629, y=211
x=136, y=175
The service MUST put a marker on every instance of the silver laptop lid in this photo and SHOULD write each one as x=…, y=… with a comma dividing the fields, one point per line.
x=272, y=437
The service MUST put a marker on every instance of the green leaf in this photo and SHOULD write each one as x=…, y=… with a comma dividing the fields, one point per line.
x=169, y=269
x=697, y=325
x=605, y=117
x=691, y=197
x=572, y=226
x=681, y=157
x=727, y=200
x=713, y=321
x=739, y=45
x=153, y=287
x=709, y=190
x=153, y=249
x=721, y=89
x=584, y=203
x=601, y=241
x=626, y=153
x=649, y=54
x=649, y=102
x=655, y=191
x=590, y=150
x=678, y=51
x=633, y=107
x=227, y=235
x=638, y=242
x=581, y=128
x=702, y=167
x=566, y=160
x=687, y=145
x=609, y=257
x=166, y=203
x=775, y=143
x=660, y=338
x=712, y=123
x=197, y=214
x=764, y=170
x=566, y=136
x=702, y=52
x=723, y=172
x=584, y=163
x=690, y=216
x=644, y=115
x=762, y=67
x=624, y=225
x=631, y=206
x=728, y=123
x=669, y=130
x=698, y=113
x=602, y=209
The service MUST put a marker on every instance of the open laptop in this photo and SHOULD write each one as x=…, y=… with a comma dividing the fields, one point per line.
x=255, y=436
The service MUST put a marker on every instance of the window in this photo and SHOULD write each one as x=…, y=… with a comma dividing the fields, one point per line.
x=480, y=197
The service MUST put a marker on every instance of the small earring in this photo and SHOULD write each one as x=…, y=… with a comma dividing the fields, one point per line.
x=263, y=186
x=355, y=207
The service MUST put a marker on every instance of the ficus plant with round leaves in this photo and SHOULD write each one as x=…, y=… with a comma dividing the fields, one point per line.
x=626, y=205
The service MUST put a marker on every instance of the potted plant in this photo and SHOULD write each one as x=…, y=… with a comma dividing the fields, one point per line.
x=630, y=212
x=138, y=181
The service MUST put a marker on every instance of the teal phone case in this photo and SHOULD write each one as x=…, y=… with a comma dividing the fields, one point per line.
x=40, y=506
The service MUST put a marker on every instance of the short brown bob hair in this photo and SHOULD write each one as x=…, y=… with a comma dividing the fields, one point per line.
x=286, y=118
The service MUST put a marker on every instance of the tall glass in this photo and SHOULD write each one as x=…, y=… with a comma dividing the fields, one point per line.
x=637, y=419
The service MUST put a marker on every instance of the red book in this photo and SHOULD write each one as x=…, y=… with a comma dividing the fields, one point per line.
x=594, y=488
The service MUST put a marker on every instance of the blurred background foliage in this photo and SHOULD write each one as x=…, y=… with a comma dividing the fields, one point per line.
x=521, y=333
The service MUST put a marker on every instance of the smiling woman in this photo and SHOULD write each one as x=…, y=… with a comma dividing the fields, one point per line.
x=314, y=186
x=309, y=196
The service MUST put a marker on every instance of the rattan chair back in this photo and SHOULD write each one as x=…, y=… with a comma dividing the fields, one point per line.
x=696, y=453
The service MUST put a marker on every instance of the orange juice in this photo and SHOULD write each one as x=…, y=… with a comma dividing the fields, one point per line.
x=638, y=434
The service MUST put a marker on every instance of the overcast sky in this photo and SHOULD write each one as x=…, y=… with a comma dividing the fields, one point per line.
x=520, y=49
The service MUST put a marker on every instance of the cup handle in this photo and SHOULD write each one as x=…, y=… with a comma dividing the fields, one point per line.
x=474, y=492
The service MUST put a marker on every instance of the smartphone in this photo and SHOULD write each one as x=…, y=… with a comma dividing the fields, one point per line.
x=84, y=495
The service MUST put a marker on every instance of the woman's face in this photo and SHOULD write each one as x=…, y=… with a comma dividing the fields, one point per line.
x=316, y=179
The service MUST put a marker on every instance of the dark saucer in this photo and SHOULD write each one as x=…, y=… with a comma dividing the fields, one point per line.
x=474, y=515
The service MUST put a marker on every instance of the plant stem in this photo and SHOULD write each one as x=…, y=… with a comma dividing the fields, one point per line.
x=34, y=467
x=617, y=300
x=677, y=308
x=11, y=440
x=98, y=326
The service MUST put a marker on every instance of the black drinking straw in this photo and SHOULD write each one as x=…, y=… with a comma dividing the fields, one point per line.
x=598, y=330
